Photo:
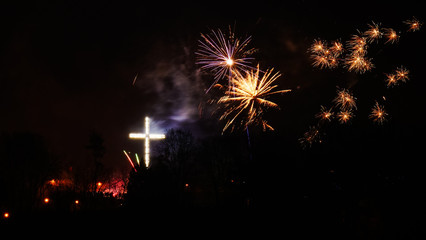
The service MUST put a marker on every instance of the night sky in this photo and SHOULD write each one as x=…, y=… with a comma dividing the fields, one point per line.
x=67, y=70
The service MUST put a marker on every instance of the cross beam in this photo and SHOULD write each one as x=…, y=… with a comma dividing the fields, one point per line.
x=147, y=136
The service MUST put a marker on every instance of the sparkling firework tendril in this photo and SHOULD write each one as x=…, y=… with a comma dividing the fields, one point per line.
x=378, y=113
x=223, y=54
x=248, y=95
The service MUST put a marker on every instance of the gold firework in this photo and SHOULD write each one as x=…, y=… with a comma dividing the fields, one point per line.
x=246, y=99
x=378, y=113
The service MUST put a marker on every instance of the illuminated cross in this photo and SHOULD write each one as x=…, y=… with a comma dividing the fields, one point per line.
x=147, y=136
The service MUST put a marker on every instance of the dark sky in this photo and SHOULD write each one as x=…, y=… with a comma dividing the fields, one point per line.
x=67, y=67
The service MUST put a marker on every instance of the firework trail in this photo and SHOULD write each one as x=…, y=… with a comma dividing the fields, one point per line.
x=247, y=98
x=130, y=160
x=223, y=54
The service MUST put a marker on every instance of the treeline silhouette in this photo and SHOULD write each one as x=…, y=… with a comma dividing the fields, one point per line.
x=357, y=187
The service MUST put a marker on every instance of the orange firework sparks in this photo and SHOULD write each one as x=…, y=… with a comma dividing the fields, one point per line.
x=358, y=63
x=337, y=48
x=357, y=44
x=310, y=137
x=345, y=100
x=344, y=116
x=318, y=46
x=373, y=33
x=378, y=113
x=401, y=74
x=320, y=61
x=391, y=80
x=325, y=114
x=391, y=35
x=413, y=24
x=324, y=57
x=248, y=94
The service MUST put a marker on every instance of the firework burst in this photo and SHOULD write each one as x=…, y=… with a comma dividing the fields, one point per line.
x=357, y=61
x=391, y=80
x=391, y=35
x=324, y=56
x=358, y=64
x=223, y=54
x=345, y=100
x=246, y=100
x=310, y=137
x=345, y=116
x=318, y=46
x=399, y=75
x=325, y=114
x=378, y=113
x=413, y=24
x=373, y=33
x=357, y=45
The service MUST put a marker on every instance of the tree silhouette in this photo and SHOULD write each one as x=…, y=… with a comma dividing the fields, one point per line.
x=25, y=166
x=97, y=149
x=178, y=151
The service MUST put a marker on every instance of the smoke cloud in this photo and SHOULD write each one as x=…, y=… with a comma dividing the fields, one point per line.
x=175, y=91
